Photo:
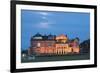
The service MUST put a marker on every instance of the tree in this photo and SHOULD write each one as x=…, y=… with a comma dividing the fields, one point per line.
x=85, y=46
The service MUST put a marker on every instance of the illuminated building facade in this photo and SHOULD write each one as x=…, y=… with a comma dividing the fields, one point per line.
x=53, y=45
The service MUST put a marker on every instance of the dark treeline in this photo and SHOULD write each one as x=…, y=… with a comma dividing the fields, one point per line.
x=85, y=46
x=24, y=52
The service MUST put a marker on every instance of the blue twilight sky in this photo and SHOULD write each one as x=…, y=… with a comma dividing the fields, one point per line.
x=72, y=24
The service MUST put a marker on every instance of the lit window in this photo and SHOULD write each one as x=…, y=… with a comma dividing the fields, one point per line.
x=38, y=44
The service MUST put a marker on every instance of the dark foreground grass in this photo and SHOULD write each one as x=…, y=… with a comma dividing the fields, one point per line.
x=56, y=58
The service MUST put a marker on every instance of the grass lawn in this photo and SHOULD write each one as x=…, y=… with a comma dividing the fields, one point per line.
x=56, y=58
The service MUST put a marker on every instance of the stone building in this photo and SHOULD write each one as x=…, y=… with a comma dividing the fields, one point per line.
x=41, y=43
x=53, y=45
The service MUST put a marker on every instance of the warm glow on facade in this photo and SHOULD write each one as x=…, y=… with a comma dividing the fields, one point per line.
x=61, y=38
x=58, y=49
x=59, y=46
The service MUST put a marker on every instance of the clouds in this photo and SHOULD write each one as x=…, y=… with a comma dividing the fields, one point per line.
x=44, y=17
x=43, y=25
x=44, y=13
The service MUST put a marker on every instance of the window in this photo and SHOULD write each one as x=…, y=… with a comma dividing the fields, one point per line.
x=38, y=44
